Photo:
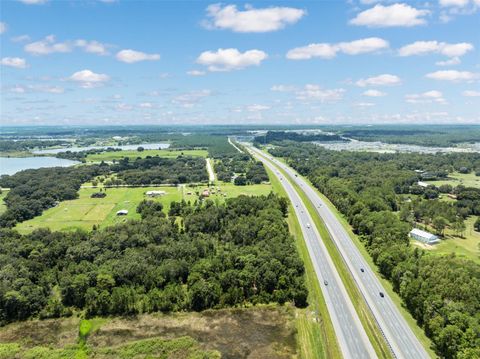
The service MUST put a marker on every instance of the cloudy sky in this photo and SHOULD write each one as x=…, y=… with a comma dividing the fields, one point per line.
x=195, y=62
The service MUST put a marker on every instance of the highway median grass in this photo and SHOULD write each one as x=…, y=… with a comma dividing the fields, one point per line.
x=315, y=333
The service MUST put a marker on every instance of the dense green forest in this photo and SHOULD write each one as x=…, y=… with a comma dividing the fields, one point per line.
x=441, y=292
x=242, y=165
x=159, y=170
x=203, y=256
x=273, y=136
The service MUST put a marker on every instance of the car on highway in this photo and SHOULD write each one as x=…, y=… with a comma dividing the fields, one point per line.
x=325, y=282
x=308, y=225
x=362, y=270
x=382, y=295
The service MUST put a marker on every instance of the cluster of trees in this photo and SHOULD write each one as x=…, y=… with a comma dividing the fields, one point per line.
x=441, y=292
x=247, y=169
x=210, y=256
x=158, y=170
x=81, y=156
x=34, y=190
x=274, y=136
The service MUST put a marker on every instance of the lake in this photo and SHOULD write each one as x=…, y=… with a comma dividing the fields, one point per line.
x=147, y=146
x=11, y=165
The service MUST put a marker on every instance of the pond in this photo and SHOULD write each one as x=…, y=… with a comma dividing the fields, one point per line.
x=11, y=165
x=147, y=146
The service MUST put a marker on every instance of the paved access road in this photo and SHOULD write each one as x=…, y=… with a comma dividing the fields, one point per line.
x=399, y=336
x=353, y=340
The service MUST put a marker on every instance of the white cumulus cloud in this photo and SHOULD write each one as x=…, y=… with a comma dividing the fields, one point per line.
x=328, y=51
x=471, y=93
x=93, y=47
x=380, y=80
x=190, y=99
x=89, y=79
x=401, y=15
x=3, y=27
x=443, y=48
x=131, y=56
x=33, y=2
x=426, y=97
x=453, y=75
x=47, y=46
x=257, y=108
x=315, y=92
x=374, y=93
x=196, y=73
x=250, y=19
x=16, y=62
x=230, y=59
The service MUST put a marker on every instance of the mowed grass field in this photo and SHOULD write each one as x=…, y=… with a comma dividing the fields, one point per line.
x=455, y=179
x=85, y=211
x=132, y=154
x=467, y=247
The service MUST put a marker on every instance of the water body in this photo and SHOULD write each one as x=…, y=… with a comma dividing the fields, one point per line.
x=382, y=147
x=147, y=146
x=12, y=165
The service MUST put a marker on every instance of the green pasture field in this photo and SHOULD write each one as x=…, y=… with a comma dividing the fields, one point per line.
x=468, y=246
x=132, y=154
x=455, y=179
x=85, y=211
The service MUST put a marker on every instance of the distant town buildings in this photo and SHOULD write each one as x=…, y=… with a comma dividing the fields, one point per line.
x=423, y=236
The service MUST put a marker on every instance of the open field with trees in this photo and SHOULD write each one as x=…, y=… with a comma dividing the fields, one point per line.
x=459, y=179
x=132, y=154
x=85, y=211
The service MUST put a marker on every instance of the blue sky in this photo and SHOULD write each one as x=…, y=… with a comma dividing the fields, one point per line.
x=273, y=62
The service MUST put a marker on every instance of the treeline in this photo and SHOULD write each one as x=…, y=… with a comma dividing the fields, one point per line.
x=159, y=170
x=81, y=156
x=441, y=292
x=441, y=136
x=247, y=169
x=26, y=145
x=210, y=256
x=33, y=191
x=274, y=136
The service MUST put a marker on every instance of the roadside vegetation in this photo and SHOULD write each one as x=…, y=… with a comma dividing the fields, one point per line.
x=367, y=188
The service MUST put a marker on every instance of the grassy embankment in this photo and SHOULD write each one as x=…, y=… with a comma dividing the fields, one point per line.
x=316, y=336
x=364, y=313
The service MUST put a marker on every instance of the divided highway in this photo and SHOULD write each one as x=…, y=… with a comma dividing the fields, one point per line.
x=352, y=338
x=399, y=336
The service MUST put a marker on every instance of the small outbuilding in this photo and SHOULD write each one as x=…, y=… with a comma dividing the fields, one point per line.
x=423, y=236
x=422, y=184
x=155, y=193
x=122, y=212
